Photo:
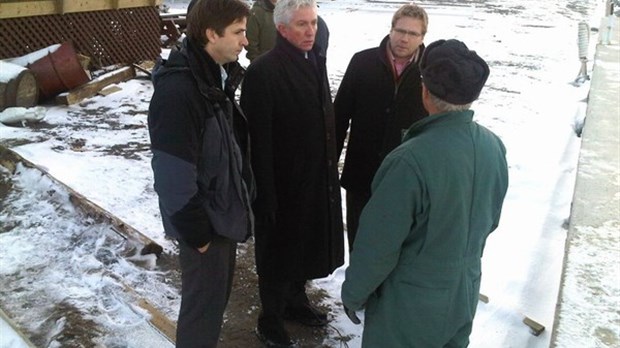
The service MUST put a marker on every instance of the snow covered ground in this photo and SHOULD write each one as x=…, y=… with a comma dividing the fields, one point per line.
x=528, y=101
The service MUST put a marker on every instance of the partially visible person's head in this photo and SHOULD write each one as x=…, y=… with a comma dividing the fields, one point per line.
x=452, y=74
x=409, y=25
x=220, y=26
x=191, y=4
x=296, y=21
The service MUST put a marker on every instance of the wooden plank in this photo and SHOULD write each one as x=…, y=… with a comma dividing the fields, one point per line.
x=536, y=327
x=48, y=7
x=70, y=6
x=166, y=326
x=174, y=16
x=19, y=333
x=157, y=319
x=8, y=159
x=484, y=298
x=109, y=90
x=139, y=3
x=146, y=67
x=93, y=87
x=100, y=214
x=27, y=9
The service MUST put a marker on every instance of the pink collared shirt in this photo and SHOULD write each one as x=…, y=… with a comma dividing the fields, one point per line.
x=398, y=67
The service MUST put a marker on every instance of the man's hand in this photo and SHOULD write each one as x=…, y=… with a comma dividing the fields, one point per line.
x=351, y=314
x=203, y=249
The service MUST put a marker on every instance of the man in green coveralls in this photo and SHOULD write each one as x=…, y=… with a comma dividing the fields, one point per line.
x=415, y=265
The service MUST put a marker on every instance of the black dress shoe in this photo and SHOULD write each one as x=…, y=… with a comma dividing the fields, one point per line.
x=306, y=314
x=274, y=336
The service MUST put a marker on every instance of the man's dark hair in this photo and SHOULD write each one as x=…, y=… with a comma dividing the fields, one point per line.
x=213, y=14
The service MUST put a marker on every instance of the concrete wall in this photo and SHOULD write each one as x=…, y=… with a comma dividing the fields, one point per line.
x=588, y=313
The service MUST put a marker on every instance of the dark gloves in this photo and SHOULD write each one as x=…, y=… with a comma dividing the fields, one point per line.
x=352, y=316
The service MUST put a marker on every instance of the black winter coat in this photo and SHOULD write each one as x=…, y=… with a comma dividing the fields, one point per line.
x=379, y=110
x=200, y=149
x=286, y=98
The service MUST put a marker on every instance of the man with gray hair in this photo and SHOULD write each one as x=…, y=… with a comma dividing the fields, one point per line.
x=299, y=232
x=415, y=265
x=262, y=31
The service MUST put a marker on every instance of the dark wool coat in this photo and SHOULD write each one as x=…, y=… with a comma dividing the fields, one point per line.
x=288, y=105
x=379, y=111
x=415, y=266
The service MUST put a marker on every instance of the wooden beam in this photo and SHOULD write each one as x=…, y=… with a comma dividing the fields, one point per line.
x=484, y=298
x=98, y=5
x=109, y=90
x=93, y=87
x=60, y=6
x=9, y=160
x=48, y=7
x=159, y=320
x=27, y=9
x=535, y=327
x=17, y=330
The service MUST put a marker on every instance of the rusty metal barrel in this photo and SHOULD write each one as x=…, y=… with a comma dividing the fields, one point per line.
x=58, y=71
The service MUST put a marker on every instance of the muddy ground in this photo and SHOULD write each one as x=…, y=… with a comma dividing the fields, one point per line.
x=244, y=307
x=80, y=331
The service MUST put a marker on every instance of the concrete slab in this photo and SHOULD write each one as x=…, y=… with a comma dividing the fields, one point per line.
x=588, y=307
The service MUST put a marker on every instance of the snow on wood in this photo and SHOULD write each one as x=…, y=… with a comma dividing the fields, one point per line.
x=9, y=71
x=94, y=86
x=30, y=58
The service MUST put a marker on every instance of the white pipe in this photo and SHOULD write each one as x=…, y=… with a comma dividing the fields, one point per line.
x=583, y=39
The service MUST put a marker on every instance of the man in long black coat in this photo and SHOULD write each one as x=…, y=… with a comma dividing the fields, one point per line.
x=299, y=232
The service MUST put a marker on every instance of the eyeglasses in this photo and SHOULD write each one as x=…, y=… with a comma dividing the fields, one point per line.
x=403, y=32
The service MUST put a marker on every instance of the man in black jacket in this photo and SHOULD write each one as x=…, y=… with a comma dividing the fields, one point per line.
x=380, y=97
x=201, y=168
x=299, y=232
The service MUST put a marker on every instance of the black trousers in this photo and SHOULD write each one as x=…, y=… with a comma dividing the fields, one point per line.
x=355, y=204
x=206, y=283
x=276, y=295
